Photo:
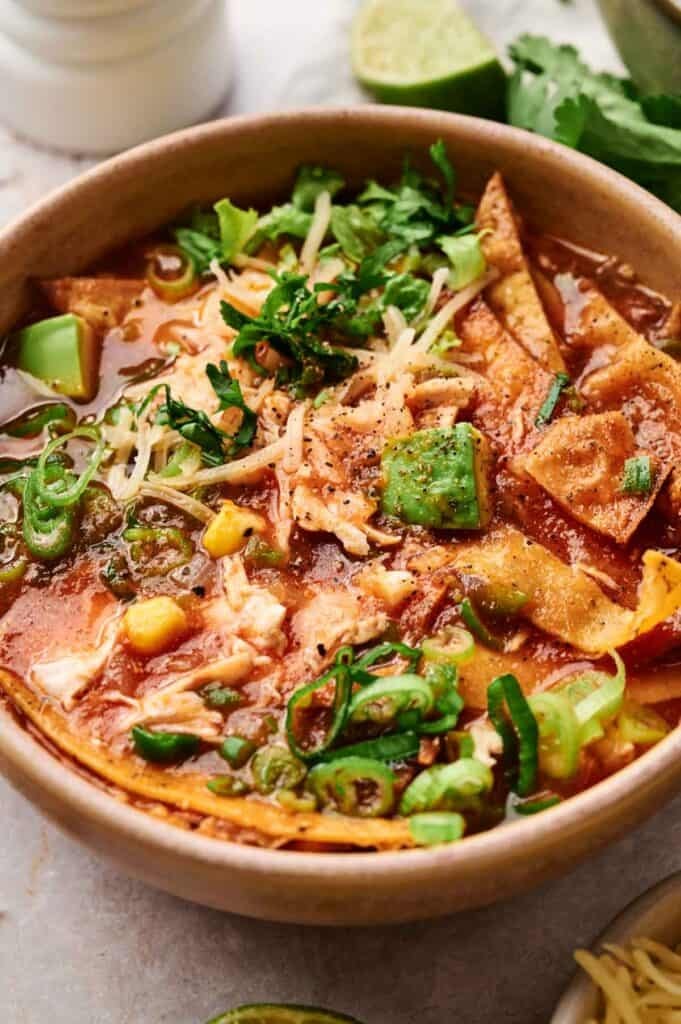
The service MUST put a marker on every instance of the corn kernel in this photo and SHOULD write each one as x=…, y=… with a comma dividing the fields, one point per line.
x=230, y=529
x=155, y=625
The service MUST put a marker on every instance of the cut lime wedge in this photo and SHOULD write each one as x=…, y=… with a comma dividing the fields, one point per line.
x=427, y=53
x=269, y=1013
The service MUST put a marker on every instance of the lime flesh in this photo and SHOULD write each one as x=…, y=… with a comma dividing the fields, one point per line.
x=427, y=53
x=270, y=1013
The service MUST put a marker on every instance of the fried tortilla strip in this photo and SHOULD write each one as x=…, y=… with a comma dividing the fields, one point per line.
x=565, y=601
x=646, y=384
x=590, y=321
x=476, y=675
x=580, y=462
x=188, y=792
x=518, y=385
x=103, y=301
x=513, y=297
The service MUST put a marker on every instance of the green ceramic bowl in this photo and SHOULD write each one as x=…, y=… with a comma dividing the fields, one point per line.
x=647, y=34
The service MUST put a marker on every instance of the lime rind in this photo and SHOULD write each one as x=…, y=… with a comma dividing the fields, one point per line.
x=428, y=54
x=275, y=1013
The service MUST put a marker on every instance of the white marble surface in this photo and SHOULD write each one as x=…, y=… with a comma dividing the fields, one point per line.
x=79, y=944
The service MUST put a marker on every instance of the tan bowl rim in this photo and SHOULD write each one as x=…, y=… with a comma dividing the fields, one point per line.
x=672, y=8
x=34, y=762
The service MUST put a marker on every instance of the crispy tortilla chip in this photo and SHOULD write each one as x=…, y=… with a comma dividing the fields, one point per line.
x=188, y=792
x=565, y=601
x=646, y=384
x=518, y=385
x=513, y=297
x=102, y=301
x=590, y=321
x=580, y=462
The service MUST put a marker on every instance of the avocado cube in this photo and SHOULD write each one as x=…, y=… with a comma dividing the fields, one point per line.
x=63, y=351
x=438, y=478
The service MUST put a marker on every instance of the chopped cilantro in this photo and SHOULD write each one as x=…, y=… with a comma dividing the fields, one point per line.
x=552, y=92
x=195, y=426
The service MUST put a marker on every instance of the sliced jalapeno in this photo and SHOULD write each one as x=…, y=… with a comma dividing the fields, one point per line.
x=448, y=787
x=356, y=786
x=164, y=747
x=405, y=699
x=311, y=725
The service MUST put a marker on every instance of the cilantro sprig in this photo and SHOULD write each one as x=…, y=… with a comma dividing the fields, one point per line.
x=552, y=92
x=196, y=426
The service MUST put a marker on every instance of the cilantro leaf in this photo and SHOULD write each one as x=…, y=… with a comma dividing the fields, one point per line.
x=356, y=230
x=196, y=426
x=466, y=257
x=552, y=92
x=291, y=321
x=281, y=220
x=220, y=234
x=415, y=210
x=236, y=227
x=229, y=394
x=438, y=154
x=312, y=181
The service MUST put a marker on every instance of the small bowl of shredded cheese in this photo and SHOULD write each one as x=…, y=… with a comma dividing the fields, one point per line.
x=632, y=974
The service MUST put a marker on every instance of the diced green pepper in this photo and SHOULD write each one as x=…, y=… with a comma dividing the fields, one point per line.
x=62, y=351
x=438, y=478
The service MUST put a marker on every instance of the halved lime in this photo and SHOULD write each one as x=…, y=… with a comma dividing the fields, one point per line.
x=427, y=53
x=271, y=1013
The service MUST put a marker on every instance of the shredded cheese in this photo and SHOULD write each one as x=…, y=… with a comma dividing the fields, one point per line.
x=640, y=983
x=315, y=236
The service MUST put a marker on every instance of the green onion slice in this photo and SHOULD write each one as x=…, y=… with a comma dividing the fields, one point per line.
x=641, y=725
x=448, y=787
x=548, y=406
x=237, y=751
x=380, y=654
x=534, y=806
x=33, y=422
x=170, y=273
x=61, y=494
x=395, y=747
x=596, y=698
x=356, y=786
x=638, y=477
x=275, y=768
x=404, y=699
x=303, y=709
x=478, y=627
x=435, y=827
x=521, y=738
x=228, y=785
x=451, y=645
x=559, y=734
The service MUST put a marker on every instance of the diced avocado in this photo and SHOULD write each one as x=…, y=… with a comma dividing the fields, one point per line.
x=62, y=351
x=438, y=478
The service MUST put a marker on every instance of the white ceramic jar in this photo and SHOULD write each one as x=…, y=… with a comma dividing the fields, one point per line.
x=95, y=76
